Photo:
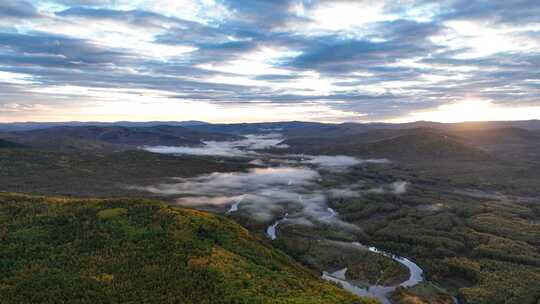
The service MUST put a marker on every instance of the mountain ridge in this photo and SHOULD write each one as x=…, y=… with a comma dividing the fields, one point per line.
x=111, y=137
x=533, y=124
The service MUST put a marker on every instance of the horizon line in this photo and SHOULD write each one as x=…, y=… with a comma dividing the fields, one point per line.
x=260, y=122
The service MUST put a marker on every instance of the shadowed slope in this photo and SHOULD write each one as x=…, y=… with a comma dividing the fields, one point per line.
x=111, y=137
x=409, y=144
x=9, y=144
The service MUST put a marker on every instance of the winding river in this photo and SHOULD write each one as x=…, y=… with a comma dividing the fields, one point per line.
x=271, y=230
x=234, y=207
x=379, y=292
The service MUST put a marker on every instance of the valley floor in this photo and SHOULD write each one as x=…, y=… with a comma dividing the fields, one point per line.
x=474, y=228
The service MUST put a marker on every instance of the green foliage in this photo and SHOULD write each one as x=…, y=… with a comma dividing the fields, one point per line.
x=423, y=293
x=479, y=245
x=362, y=265
x=502, y=282
x=134, y=251
x=90, y=174
x=111, y=213
x=464, y=268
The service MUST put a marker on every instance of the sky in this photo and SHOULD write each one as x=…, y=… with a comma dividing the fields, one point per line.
x=272, y=60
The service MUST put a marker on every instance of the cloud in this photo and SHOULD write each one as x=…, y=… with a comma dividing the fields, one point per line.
x=262, y=193
x=18, y=9
x=498, y=12
x=210, y=148
x=333, y=161
x=240, y=148
x=83, y=2
x=397, y=187
x=340, y=161
x=254, y=146
x=55, y=51
x=344, y=56
x=344, y=60
x=280, y=183
x=269, y=14
x=346, y=192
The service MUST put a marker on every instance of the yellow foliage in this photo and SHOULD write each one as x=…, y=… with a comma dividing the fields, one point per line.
x=411, y=299
x=104, y=278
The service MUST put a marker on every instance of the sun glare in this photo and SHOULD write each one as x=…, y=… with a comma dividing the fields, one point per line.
x=472, y=110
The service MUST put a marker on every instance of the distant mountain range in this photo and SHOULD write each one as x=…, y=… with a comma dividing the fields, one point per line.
x=292, y=127
x=111, y=137
x=510, y=140
x=24, y=126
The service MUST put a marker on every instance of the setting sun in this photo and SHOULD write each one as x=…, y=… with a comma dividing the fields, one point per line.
x=473, y=110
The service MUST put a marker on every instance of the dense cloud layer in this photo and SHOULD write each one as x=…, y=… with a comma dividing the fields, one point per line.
x=339, y=161
x=232, y=60
x=262, y=193
x=267, y=193
x=239, y=148
x=255, y=145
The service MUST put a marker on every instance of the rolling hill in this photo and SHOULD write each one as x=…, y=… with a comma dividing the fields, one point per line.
x=509, y=143
x=111, y=137
x=90, y=174
x=26, y=126
x=57, y=250
x=422, y=145
x=417, y=144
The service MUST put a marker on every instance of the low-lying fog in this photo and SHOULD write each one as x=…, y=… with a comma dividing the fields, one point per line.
x=274, y=186
x=238, y=148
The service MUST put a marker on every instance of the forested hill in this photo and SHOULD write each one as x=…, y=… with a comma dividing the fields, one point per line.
x=57, y=250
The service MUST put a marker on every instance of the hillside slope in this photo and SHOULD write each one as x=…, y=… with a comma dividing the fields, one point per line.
x=423, y=145
x=87, y=174
x=111, y=137
x=506, y=143
x=58, y=250
x=417, y=144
